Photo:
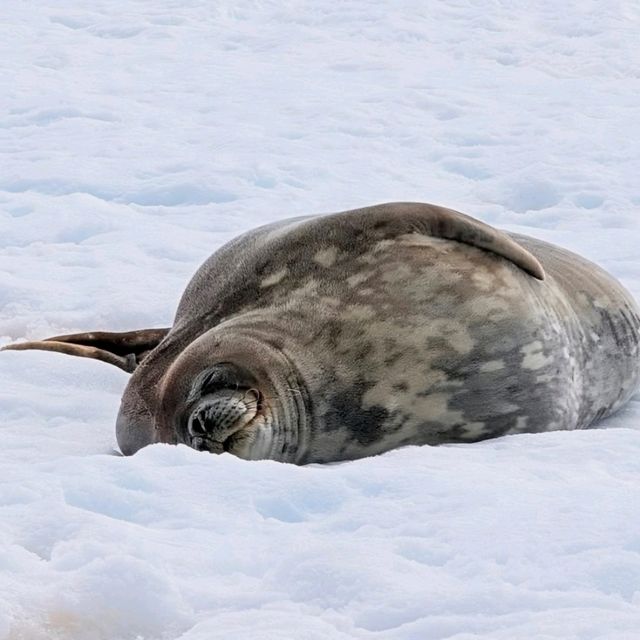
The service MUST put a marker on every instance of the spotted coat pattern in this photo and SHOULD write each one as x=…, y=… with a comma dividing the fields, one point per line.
x=378, y=328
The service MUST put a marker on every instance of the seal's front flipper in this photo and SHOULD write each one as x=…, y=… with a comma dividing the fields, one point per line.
x=125, y=350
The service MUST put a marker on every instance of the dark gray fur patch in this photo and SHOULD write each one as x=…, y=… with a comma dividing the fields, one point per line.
x=365, y=426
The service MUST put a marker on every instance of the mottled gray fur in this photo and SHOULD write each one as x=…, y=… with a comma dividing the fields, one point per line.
x=366, y=334
x=387, y=326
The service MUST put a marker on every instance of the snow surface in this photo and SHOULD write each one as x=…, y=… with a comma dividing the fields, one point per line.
x=135, y=138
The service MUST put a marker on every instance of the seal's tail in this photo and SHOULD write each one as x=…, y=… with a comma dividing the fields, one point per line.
x=125, y=350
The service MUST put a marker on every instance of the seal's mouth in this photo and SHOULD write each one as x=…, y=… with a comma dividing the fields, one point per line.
x=224, y=420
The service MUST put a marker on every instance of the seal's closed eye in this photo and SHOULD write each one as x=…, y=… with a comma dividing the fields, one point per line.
x=223, y=375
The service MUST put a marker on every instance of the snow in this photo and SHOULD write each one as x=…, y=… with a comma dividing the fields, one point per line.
x=135, y=138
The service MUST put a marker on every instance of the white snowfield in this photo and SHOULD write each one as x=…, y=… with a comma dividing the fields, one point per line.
x=135, y=139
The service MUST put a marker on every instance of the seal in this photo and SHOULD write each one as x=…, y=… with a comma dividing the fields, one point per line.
x=335, y=337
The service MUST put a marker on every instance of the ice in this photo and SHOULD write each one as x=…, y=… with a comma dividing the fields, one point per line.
x=135, y=139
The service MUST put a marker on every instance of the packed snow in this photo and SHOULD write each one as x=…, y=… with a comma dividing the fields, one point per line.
x=135, y=139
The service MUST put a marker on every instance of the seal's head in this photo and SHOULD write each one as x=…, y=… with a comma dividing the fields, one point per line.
x=227, y=390
x=230, y=391
x=218, y=409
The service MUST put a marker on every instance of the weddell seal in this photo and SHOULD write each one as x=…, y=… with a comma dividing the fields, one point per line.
x=335, y=337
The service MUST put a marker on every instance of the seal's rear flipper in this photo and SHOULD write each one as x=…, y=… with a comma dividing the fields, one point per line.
x=125, y=350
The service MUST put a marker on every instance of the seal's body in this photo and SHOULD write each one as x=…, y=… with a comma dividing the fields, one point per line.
x=337, y=337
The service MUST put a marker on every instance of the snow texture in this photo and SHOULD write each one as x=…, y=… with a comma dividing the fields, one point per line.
x=136, y=138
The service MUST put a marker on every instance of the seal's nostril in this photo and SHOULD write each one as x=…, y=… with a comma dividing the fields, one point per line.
x=197, y=426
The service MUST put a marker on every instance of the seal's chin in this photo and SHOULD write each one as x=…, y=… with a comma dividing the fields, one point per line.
x=225, y=421
x=232, y=444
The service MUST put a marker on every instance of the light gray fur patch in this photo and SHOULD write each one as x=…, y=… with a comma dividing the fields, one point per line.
x=534, y=357
x=274, y=278
x=326, y=257
x=492, y=365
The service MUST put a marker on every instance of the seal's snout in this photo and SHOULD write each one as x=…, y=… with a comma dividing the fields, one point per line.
x=219, y=416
